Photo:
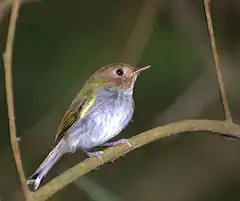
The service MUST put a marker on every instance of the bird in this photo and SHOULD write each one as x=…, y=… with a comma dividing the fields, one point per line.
x=100, y=111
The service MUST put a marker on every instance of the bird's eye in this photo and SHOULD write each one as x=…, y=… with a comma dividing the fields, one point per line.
x=120, y=72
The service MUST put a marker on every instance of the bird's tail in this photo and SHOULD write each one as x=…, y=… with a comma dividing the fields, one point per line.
x=36, y=178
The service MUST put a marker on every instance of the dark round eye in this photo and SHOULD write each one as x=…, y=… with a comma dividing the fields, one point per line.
x=120, y=72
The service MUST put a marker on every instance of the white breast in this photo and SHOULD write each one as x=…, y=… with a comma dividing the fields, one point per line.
x=111, y=124
x=109, y=115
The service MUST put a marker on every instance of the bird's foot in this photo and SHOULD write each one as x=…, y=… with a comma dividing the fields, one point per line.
x=97, y=154
x=122, y=141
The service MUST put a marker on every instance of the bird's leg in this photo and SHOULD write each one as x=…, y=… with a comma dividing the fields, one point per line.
x=122, y=141
x=97, y=154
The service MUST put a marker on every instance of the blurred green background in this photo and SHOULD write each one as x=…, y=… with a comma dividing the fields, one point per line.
x=60, y=43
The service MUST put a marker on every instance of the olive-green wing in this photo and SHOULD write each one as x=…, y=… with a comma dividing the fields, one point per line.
x=78, y=109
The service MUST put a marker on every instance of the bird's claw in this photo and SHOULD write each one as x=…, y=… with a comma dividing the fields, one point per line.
x=97, y=154
x=122, y=141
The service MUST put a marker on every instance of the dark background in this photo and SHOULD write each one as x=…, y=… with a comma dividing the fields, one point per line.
x=60, y=43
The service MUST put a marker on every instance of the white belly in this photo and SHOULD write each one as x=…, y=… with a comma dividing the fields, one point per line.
x=105, y=120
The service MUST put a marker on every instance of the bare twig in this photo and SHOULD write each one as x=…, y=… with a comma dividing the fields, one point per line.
x=113, y=152
x=5, y=5
x=137, y=141
x=216, y=59
x=7, y=58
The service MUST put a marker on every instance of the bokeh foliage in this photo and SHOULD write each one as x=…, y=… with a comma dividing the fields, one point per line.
x=60, y=43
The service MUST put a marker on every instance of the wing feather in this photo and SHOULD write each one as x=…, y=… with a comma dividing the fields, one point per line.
x=77, y=110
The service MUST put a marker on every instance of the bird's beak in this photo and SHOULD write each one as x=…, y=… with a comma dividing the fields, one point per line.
x=139, y=70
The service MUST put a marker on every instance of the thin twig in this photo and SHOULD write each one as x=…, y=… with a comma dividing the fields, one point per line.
x=227, y=112
x=5, y=5
x=137, y=141
x=7, y=58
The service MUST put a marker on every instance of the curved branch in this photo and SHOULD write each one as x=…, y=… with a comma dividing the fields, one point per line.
x=7, y=59
x=137, y=141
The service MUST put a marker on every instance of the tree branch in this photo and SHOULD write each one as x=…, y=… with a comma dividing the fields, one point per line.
x=6, y=4
x=137, y=141
x=111, y=153
x=7, y=59
x=227, y=112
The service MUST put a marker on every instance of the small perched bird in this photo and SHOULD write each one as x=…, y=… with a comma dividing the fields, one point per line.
x=100, y=111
